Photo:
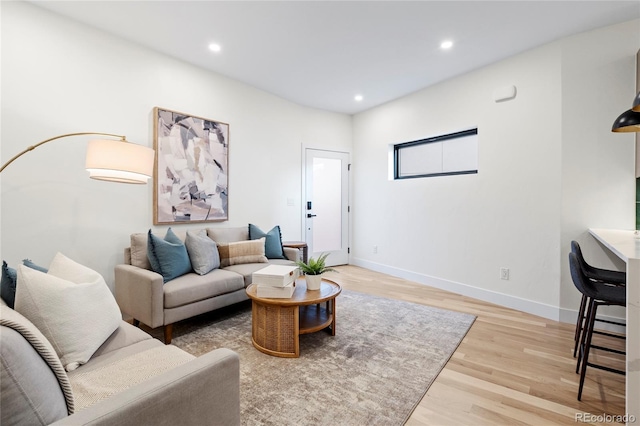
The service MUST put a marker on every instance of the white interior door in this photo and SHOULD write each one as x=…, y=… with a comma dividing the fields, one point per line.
x=326, y=206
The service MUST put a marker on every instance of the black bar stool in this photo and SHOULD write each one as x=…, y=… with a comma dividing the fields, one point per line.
x=602, y=277
x=598, y=295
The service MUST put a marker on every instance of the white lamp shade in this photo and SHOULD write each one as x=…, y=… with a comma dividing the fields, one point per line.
x=119, y=161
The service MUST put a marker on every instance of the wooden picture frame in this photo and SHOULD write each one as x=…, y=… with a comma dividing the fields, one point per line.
x=190, y=183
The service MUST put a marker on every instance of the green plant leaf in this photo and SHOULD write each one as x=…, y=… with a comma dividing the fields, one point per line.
x=315, y=266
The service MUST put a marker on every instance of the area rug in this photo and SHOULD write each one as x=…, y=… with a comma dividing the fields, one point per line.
x=377, y=368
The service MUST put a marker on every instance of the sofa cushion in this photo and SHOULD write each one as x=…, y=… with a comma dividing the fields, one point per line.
x=228, y=235
x=31, y=394
x=92, y=386
x=31, y=348
x=283, y=261
x=192, y=288
x=236, y=253
x=168, y=256
x=71, y=305
x=125, y=335
x=273, y=241
x=246, y=270
x=203, y=252
x=100, y=360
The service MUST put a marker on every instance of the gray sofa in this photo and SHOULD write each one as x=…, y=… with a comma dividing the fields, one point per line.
x=119, y=385
x=142, y=294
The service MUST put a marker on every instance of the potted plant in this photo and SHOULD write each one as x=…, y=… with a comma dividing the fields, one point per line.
x=313, y=270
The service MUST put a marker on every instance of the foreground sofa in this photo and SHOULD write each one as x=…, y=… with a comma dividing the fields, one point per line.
x=142, y=293
x=131, y=379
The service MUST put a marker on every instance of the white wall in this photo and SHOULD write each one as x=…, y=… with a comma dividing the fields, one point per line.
x=456, y=232
x=59, y=77
x=598, y=175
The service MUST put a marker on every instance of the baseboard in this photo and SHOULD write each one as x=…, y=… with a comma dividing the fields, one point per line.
x=535, y=308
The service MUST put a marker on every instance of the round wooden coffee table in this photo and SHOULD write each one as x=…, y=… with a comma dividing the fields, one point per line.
x=276, y=324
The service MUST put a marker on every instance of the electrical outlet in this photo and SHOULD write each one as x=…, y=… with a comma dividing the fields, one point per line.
x=504, y=273
x=375, y=249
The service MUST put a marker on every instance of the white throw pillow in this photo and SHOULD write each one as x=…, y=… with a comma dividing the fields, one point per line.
x=71, y=305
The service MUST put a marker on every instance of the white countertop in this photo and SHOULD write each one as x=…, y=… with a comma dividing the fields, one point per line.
x=622, y=242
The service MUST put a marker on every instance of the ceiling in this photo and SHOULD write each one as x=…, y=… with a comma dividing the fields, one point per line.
x=321, y=54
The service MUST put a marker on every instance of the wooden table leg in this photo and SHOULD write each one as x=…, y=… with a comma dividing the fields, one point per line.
x=333, y=316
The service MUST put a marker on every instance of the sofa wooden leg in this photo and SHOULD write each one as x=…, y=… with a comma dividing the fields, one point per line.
x=167, y=333
x=136, y=322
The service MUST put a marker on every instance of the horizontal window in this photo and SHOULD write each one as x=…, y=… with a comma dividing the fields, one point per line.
x=451, y=154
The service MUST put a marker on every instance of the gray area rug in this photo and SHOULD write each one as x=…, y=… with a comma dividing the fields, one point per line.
x=377, y=368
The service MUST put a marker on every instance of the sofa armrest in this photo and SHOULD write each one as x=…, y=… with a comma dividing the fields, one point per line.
x=140, y=293
x=292, y=253
x=203, y=391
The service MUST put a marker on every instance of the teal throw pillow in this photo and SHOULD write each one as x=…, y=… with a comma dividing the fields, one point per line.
x=8, y=284
x=273, y=241
x=203, y=252
x=30, y=264
x=168, y=256
x=10, y=279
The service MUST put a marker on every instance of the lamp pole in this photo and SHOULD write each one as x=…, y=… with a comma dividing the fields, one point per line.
x=32, y=147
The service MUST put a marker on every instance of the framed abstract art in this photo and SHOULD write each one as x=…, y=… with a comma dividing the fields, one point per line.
x=192, y=169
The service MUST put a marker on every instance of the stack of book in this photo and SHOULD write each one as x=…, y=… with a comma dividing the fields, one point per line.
x=276, y=281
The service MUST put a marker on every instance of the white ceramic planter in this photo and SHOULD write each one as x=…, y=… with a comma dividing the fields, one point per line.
x=313, y=281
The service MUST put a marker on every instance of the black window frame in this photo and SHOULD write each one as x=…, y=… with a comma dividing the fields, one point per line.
x=440, y=138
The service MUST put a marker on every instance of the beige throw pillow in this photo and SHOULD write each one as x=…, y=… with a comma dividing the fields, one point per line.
x=239, y=252
x=139, y=251
x=71, y=305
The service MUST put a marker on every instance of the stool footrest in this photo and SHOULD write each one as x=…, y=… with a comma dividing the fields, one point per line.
x=602, y=348
x=604, y=333
x=611, y=322
x=609, y=369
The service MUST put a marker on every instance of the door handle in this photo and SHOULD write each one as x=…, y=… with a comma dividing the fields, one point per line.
x=311, y=215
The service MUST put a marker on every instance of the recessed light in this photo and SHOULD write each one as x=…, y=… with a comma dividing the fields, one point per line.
x=447, y=44
x=214, y=47
x=358, y=98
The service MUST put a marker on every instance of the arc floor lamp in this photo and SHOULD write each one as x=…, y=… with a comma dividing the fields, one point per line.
x=114, y=160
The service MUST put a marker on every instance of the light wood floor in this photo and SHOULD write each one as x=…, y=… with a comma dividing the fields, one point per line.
x=512, y=368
